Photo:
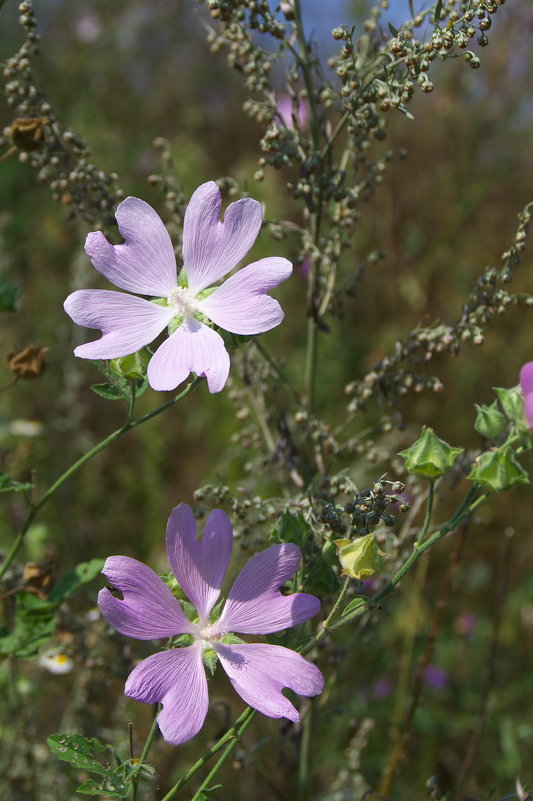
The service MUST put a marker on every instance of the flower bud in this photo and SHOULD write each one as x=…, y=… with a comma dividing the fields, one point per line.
x=512, y=403
x=132, y=366
x=498, y=470
x=489, y=421
x=360, y=558
x=429, y=457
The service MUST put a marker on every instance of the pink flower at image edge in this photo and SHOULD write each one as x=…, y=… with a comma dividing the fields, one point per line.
x=526, y=385
x=176, y=678
x=145, y=264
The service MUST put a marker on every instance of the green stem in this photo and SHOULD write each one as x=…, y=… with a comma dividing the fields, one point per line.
x=303, y=58
x=233, y=735
x=310, y=361
x=144, y=755
x=335, y=612
x=228, y=751
x=131, y=404
x=305, y=755
x=429, y=512
x=338, y=128
x=80, y=462
x=312, y=331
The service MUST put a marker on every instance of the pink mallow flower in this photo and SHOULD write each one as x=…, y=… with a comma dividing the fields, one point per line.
x=145, y=263
x=526, y=385
x=148, y=610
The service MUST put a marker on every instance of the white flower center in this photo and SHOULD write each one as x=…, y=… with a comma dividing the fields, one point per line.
x=208, y=633
x=182, y=301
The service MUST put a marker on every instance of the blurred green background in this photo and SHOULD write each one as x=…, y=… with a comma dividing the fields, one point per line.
x=123, y=74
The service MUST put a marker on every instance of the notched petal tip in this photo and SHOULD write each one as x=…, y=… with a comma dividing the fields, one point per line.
x=199, y=565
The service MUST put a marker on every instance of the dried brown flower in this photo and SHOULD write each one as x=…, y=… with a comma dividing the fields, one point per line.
x=27, y=362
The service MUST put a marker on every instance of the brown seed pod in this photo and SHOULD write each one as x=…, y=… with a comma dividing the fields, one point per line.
x=27, y=362
x=27, y=132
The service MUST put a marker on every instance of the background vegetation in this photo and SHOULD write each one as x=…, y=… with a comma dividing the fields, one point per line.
x=124, y=74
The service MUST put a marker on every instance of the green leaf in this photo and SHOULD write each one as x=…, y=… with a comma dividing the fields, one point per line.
x=78, y=750
x=72, y=581
x=289, y=638
x=233, y=341
x=208, y=792
x=9, y=294
x=210, y=660
x=119, y=385
x=356, y=603
x=108, y=391
x=392, y=29
x=292, y=528
x=322, y=579
x=8, y=485
x=112, y=786
x=232, y=639
x=90, y=787
x=438, y=10
x=34, y=623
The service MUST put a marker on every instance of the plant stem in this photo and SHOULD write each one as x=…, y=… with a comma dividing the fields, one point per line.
x=305, y=754
x=144, y=754
x=312, y=331
x=303, y=58
x=233, y=734
x=228, y=751
x=81, y=461
x=279, y=372
x=310, y=361
x=429, y=512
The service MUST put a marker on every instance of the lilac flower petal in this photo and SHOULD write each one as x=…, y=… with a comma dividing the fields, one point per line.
x=199, y=565
x=175, y=678
x=240, y=305
x=526, y=378
x=212, y=248
x=127, y=322
x=148, y=610
x=259, y=672
x=145, y=262
x=255, y=605
x=192, y=348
